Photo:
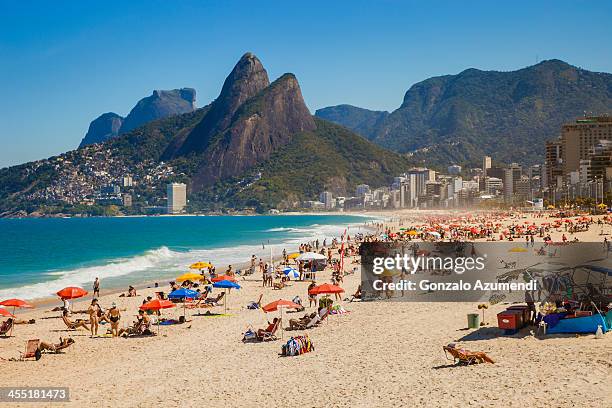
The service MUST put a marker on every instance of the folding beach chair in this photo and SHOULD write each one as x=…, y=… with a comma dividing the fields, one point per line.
x=461, y=356
x=6, y=327
x=31, y=350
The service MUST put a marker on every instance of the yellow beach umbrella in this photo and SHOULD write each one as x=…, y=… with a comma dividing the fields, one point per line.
x=518, y=249
x=413, y=232
x=200, y=265
x=189, y=276
x=602, y=205
x=293, y=255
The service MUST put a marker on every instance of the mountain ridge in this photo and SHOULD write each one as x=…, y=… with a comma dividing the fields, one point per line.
x=508, y=114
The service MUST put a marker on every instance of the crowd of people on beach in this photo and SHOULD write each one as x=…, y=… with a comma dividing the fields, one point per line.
x=338, y=256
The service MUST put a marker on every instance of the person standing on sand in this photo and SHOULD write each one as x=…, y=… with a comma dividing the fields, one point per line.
x=114, y=315
x=311, y=298
x=96, y=288
x=92, y=311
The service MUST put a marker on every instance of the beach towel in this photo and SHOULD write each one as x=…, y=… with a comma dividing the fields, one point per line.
x=296, y=346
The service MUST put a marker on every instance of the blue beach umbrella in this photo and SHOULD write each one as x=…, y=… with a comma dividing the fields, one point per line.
x=225, y=284
x=292, y=273
x=183, y=293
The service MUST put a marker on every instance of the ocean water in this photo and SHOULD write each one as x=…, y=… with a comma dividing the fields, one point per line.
x=38, y=257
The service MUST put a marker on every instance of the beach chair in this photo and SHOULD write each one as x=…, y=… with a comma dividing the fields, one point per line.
x=270, y=335
x=62, y=345
x=6, y=326
x=313, y=322
x=74, y=325
x=462, y=356
x=31, y=350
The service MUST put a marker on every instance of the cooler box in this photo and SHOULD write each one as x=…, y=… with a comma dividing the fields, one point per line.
x=510, y=319
x=524, y=309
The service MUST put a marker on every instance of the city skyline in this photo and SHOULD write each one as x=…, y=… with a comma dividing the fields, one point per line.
x=65, y=64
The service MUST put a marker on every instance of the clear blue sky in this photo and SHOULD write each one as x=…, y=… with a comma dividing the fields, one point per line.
x=64, y=63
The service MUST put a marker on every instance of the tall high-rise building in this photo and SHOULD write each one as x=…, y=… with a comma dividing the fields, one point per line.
x=486, y=165
x=578, y=139
x=553, y=162
x=512, y=175
x=177, y=198
x=327, y=198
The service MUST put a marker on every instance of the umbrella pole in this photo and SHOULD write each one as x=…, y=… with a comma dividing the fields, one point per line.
x=14, y=322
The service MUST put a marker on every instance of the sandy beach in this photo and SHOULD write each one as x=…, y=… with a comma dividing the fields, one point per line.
x=384, y=354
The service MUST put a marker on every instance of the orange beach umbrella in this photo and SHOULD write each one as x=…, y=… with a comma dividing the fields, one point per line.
x=157, y=304
x=72, y=292
x=325, y=288
x=14, y=303
x=6, y=313
x=273, y=306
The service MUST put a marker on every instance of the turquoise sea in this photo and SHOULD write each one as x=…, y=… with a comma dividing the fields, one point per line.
x=40, y=256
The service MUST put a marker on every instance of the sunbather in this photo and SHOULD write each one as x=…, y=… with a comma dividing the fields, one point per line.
x=76, y=324
x=302, y=322
x=6, y=326
x=214, y=301
x=140, y=326
x=55, y=348
x=463, y=356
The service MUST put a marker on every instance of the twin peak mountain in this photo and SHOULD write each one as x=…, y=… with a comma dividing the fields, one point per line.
x=249, y=120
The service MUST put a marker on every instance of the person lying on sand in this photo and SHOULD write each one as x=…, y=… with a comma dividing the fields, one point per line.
x=76, y=324
x=296, y=324
x=54, y=348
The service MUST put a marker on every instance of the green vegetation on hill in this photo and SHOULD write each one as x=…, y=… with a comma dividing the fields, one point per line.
x=459, y=118
x=329, y=158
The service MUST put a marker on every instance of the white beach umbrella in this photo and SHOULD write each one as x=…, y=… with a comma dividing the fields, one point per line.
x=310, y=256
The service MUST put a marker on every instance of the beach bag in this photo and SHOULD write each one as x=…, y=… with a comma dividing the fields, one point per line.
x=249, y=335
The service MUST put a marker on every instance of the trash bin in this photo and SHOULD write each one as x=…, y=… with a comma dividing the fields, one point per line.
x=473, y=320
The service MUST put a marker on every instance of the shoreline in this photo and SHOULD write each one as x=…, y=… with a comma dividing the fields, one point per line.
x=163, y=279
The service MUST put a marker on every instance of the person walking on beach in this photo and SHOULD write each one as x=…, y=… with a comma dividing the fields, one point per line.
x=92, y=311
x=96, y=288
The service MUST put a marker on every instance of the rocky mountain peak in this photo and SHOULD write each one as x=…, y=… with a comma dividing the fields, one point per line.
x=246, y=80
x=104, y=127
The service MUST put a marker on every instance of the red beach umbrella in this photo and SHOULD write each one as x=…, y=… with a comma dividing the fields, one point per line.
x=278, y=305
x=223, y=277
x=6, y=313
x=273, y=306
x=157, y=304
x=15, y=303
x=71, y=292
x=325, y=288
